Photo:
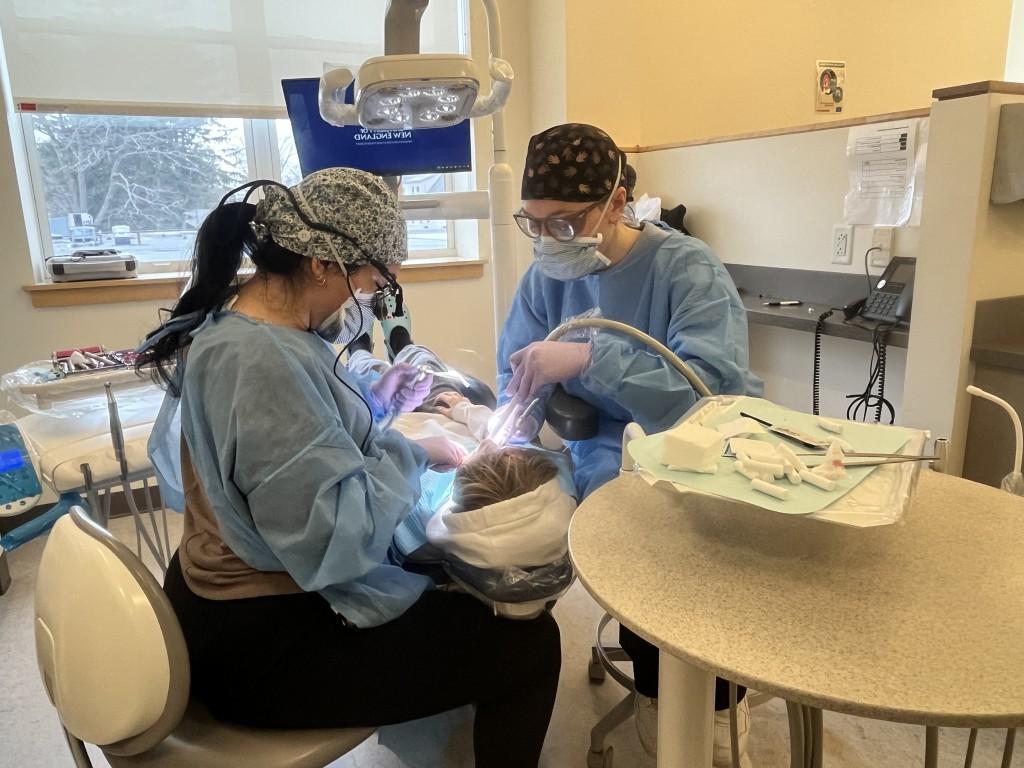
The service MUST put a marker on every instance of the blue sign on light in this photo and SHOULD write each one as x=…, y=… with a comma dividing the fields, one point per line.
x=385, y=153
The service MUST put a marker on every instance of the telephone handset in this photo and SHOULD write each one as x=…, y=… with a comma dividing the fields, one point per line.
x=889, y=301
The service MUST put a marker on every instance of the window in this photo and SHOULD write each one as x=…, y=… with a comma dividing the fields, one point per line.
x=1015, y=50
x=140, y=184
x=144, y=184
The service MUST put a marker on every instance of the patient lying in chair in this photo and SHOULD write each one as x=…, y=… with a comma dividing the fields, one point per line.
x=499, y=526
x=504, y=534
x=507, y=509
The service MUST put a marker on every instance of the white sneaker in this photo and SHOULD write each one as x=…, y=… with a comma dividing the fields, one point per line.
x=722, y=755
x=645, y=712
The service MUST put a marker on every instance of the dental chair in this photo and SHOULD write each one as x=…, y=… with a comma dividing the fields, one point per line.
x=115, y=666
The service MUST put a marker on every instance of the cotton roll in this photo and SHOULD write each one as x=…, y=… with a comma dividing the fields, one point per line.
x=748, y=473
x=828, y=425
x=789, y=455
x=818, y=481
x=769, y=488
x=778, y=470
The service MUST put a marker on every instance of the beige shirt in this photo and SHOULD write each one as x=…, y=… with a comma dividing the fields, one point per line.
x=211, y=569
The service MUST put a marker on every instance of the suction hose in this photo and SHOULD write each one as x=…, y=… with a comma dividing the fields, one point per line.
x=671, y=357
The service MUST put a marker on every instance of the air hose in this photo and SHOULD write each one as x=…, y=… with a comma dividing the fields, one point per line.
x=670, y=357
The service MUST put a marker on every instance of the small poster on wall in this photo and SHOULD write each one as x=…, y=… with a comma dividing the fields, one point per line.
x=830, y=86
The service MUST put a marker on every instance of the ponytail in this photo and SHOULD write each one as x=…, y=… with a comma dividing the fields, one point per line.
x=223, y=240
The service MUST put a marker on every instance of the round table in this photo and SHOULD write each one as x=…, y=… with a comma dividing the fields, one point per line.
x=920, y=622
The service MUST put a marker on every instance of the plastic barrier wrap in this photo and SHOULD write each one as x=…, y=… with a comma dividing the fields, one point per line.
x=514, y=585
x=36, y=388
x=878, y=499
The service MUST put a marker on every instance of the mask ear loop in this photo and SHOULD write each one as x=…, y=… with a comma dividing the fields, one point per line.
x=615, y=188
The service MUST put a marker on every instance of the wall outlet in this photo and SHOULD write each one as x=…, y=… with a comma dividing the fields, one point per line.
x=881, y=238
x=842, y=244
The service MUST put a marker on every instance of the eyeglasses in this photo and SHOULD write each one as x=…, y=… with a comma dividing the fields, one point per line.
x=562, y=228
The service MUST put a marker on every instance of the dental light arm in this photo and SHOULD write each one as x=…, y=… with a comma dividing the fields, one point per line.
x=501, y=86
x=402, y=26
x=407, y=89
x=331, y=96
x=670, y=357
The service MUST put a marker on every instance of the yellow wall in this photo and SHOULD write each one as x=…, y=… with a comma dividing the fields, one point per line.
x=674, y=70
x=605, y=66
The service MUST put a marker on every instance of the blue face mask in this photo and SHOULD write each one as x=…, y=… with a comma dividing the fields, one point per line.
x=569, y=260
x=575, y=258
x=351, y=319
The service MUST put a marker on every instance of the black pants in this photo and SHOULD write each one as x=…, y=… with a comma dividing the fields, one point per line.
x=645, y=669
x=292, y=662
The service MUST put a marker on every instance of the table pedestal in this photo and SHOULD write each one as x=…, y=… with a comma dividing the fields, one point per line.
x=686, y=712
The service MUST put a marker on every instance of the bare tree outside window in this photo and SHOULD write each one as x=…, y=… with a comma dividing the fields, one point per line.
x=140, y=183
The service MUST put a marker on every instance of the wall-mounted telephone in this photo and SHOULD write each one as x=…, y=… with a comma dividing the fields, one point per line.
x=889, y=301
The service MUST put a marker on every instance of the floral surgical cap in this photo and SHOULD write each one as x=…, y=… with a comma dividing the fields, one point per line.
x=353, y=202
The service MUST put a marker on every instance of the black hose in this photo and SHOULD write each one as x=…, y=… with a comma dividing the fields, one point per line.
x=819, y=329
x=883, y=340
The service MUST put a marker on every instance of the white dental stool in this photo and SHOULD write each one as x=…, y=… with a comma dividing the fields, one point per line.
x=115, y=666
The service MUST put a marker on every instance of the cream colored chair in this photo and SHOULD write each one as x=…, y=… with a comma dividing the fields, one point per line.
x=115, y=666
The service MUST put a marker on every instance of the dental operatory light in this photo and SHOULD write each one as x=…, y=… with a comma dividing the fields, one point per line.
x=417, y=90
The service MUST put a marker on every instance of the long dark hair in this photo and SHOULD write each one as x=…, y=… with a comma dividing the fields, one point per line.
x=223, y=240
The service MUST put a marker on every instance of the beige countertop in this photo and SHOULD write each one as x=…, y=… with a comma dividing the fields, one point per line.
x=921, y=622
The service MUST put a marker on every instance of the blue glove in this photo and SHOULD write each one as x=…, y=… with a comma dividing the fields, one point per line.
x=402, y=388
x=545, y=362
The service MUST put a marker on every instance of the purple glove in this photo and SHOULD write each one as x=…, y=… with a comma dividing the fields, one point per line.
x=545, y=362
x=402, y=388
x=442, y=454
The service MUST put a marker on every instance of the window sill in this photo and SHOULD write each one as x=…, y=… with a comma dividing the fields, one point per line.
x=168, y=286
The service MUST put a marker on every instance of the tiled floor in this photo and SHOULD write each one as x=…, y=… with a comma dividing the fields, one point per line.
x=30, y=737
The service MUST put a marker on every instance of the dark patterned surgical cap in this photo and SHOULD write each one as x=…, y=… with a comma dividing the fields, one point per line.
x=575, y=162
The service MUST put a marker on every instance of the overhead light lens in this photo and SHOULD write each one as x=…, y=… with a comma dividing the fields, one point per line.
x=405, y=105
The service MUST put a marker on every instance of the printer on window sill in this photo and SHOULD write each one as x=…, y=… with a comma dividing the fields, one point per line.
x=93, y=264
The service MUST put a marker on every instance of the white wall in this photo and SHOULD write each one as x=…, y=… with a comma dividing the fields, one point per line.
x=772, y=202
x=784, y=359
x=975, y=251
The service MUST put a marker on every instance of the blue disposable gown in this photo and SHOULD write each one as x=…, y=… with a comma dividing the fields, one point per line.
x=275, y=437
x=670, y=286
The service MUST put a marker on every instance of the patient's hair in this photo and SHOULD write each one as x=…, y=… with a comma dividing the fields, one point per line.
x=498, y=476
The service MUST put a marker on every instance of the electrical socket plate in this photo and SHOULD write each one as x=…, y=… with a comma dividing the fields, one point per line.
x=842, y=244
x=881, y=237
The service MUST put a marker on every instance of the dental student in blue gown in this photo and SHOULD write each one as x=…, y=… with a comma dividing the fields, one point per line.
x=587, y=257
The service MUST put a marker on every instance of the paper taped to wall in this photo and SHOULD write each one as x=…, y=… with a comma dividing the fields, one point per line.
x=884, y=171
x=831, y=86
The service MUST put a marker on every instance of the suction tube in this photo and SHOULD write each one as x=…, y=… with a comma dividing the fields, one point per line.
x=671, y=357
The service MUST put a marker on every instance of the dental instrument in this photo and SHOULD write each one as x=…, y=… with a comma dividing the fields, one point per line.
x=792, y=434
x=448, y=375
x=507, y=422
